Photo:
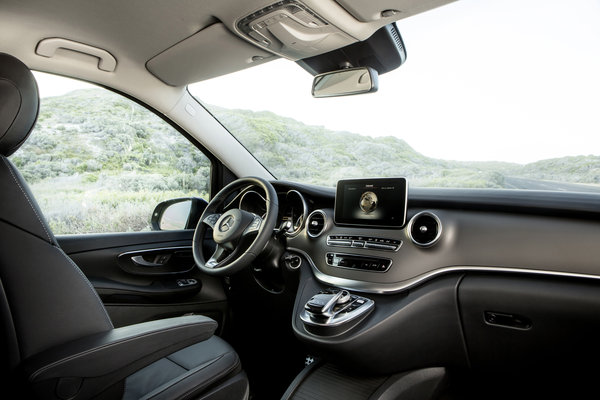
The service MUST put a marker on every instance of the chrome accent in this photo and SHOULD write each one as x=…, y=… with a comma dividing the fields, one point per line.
x=390, y=288
x=139, y=252
x=380, y=246
x=239, y=196
x=338, y=242
x=411, y=223
x=366, y=245
x=339, y=317
x=242, y=196
x=324, y=223
x=288, y=261
x=227, y=223
x=304, y=214
x=141, y=262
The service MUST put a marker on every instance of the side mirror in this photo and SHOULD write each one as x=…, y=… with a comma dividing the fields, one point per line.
x=175, y=214
x=345, y=82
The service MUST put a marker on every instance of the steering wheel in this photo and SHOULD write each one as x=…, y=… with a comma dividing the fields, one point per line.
x=240, y=235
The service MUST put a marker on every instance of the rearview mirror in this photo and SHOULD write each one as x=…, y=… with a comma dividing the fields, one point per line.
x=345, y=82
x=175, y=214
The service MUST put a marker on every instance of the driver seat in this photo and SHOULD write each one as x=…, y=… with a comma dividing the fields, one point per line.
x=58, y=341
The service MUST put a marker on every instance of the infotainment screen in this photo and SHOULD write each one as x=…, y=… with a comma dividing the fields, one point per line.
x=374, y=202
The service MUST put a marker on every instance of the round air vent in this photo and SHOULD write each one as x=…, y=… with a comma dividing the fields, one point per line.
x=424, y=229
x=315, y=223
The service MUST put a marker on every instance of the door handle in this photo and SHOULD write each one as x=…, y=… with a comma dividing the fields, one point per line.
x=159, y=260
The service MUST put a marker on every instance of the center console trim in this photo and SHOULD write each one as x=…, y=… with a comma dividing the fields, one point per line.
x=348, y=316
x=395, y=287
x=366, y=244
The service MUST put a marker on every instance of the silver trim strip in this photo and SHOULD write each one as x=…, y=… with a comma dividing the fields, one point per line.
x=136, y=252
x=242, y=196
x=389, y=288
x=342, y=243
x=340, y=317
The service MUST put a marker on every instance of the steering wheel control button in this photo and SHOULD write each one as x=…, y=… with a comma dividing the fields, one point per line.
x=372, y=264
x=212, y=219
x=332, y=310
x=366, y=242
x=254, y=225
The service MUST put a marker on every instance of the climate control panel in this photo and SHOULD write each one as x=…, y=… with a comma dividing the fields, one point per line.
x=351, y=261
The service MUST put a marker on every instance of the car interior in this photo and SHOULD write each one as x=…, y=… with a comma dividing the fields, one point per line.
x=268, y=288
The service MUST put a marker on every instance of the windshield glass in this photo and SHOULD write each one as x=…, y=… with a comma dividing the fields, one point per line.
x=494, y=94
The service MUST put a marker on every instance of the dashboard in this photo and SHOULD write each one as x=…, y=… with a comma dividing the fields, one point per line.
x=466, y=269
x=539, y=233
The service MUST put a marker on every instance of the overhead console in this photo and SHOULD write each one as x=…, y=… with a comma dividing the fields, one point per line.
x=291, y=29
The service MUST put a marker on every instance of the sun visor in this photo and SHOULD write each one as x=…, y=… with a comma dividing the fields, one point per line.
x=211, y=52
x=367, y=11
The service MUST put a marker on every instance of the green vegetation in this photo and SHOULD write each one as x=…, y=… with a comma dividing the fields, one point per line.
x=312, y=154
x=100, y=163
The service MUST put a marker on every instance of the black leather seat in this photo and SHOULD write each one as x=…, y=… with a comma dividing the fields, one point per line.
x=57, y=339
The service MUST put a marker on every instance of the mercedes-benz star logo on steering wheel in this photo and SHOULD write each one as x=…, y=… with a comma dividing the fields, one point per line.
x=226, y=224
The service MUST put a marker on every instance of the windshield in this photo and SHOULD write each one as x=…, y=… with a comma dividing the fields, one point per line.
x=494, y=94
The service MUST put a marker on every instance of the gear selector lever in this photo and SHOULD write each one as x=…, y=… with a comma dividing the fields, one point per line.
x=324, y=303
x=334, y=308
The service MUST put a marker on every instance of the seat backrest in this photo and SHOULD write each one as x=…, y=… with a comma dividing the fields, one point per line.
x=45, y=300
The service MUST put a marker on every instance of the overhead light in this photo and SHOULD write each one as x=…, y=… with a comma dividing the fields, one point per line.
x=292, y=30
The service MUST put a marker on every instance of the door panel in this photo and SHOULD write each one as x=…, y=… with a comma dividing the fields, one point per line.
x=147, y=275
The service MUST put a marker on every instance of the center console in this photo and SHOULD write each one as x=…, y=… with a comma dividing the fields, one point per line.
x=357, y=304
x=331, y=311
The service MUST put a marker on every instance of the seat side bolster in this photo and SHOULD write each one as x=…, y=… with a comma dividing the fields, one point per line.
x=125, y=349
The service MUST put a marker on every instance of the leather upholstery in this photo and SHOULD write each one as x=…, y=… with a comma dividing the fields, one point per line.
x=49, y=298
x=56, y=338
x=20, y=103
x=180, y=372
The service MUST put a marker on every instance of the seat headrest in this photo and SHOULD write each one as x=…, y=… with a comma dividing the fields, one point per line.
x=19, y=103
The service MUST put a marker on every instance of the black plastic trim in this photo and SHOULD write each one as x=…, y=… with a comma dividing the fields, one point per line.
x=391, y=338
x=73, y=244
x=536, y=202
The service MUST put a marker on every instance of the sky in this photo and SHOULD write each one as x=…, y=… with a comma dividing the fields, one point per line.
x=500, y=80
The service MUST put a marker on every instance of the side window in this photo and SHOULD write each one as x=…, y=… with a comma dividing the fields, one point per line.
x=98, y=162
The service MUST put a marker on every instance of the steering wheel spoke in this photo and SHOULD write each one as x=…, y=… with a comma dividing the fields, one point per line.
x=211, y=220
x=254, y=226
x=219, y=255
